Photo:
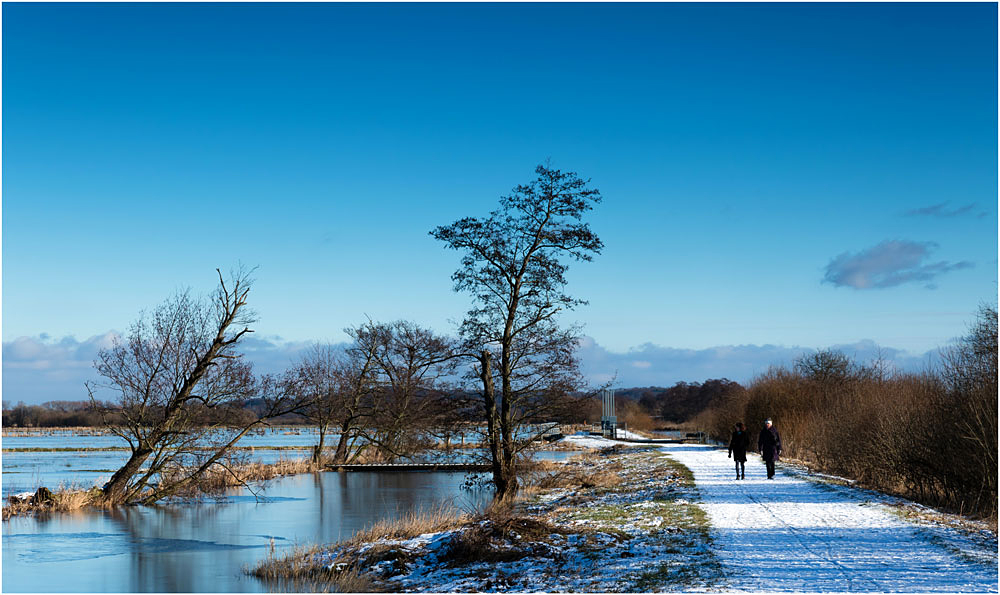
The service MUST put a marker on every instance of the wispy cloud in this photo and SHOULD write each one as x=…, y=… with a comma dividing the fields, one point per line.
x=889, y=264
x=941, y=210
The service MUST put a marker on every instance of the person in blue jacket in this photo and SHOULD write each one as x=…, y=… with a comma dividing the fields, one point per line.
x=769, y=446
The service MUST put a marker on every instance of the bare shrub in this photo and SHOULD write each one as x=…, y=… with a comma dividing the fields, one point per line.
x=499, y=534
x=633, y=415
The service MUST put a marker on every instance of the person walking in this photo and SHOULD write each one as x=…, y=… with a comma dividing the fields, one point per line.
x=769, y=446
x=738, y=446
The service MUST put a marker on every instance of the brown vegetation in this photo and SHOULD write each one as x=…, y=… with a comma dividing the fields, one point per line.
x=297, y=572
x=576, y=476
x=64, y=499
x=219, y=478
x=311, y=569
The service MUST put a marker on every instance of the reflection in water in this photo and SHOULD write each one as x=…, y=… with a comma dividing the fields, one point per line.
x=203, y=547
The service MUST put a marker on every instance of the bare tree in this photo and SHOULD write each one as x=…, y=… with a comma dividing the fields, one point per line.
x=410, y=397
x=337, y=385
x=512, y=265
x=176, y=380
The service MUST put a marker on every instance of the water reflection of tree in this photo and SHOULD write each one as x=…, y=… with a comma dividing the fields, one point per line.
x=180, y=549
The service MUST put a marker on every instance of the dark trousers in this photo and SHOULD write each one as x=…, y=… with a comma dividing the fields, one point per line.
x=740, y=469
x=770, y=467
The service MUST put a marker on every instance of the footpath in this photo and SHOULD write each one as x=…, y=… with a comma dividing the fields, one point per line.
x=800, y=533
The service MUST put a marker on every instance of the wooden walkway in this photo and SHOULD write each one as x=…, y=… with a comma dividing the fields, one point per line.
x=392, y=467
x=655, y=440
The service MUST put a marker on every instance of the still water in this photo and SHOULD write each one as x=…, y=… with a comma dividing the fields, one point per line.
x=202, y=547
x=27, y=465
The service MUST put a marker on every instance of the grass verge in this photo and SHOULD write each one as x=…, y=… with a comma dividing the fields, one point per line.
x=624, y=519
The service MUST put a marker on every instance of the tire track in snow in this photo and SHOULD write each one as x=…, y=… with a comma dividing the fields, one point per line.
x=789, y=534
x=846, y=573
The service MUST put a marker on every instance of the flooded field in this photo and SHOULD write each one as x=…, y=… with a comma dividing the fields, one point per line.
x=202, y=547
x=54, y=458
x=195, y=546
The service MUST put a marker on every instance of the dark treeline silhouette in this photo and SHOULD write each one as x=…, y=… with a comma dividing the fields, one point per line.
x=930, y=436
x=53, y=414
x=581, y=409
x=679, y=403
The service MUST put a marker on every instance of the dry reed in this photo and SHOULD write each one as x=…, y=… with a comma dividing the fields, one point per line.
x=63, y=499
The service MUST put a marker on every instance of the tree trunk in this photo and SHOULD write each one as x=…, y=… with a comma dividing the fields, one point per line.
x=341, y=455
x=115, y=491
x=501, y=472
x=318, y=449
x=505, y=416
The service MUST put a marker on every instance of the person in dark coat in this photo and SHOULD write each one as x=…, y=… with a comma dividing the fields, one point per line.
x=738, y=446
x=769, y=446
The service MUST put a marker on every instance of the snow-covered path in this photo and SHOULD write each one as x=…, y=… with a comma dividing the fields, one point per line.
x=791, y=534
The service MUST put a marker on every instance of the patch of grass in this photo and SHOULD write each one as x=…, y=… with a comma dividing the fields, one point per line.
x=678, y=573
x=678, y=471
x=410, y=525
x=607, y=505
x=603, y=515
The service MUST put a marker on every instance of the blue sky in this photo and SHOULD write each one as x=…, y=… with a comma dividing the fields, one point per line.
x=776, y=177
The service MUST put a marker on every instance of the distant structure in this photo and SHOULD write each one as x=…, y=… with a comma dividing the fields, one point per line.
x=609, y=423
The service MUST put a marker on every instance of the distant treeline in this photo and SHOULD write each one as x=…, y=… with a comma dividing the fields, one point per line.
x=53, y=414
x=678, y=404
x=68, y=414
x=643, y=408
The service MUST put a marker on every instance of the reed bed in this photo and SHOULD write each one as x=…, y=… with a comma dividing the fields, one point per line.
x=62, y=499
x=410, y=525
x=297, y=571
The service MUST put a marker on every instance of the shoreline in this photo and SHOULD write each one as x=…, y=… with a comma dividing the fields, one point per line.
x=620, y=518
x=627, y=518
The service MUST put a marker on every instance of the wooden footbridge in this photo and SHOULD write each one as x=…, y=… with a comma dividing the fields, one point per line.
x=394, y=467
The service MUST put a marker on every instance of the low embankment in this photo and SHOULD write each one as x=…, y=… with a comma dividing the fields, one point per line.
x=622, y=519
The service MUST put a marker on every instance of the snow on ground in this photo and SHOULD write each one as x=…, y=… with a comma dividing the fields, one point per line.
x=586, y=440
x=633, y=530
x=647, y=531
x=795, y=534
